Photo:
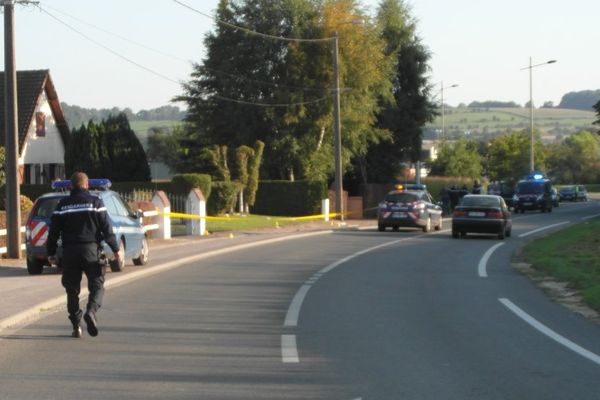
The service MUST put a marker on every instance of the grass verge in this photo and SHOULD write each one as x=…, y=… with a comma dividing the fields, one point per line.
x=571, y=255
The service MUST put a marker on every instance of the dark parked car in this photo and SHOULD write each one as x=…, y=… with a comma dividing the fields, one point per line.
x=482, y=214
x=573, y=193
x=409, y=206
x=533, y=194
x=127, y=226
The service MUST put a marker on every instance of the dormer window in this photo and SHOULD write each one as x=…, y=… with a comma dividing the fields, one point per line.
x=40, y=124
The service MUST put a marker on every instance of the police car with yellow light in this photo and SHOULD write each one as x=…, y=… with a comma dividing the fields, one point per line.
x=127, y=226
x=409, y=206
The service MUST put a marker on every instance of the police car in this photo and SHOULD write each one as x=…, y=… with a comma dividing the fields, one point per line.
x=534, y=192
x=409, y=206
x=127, y=226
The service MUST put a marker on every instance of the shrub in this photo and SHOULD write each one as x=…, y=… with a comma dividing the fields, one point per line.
x=26, y=204
x=223, y=196
x=183, y=183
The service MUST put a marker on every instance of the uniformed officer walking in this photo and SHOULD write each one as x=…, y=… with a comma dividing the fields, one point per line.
x=82, y=222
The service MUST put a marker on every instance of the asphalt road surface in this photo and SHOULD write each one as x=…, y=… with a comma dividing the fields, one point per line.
x=349, y=315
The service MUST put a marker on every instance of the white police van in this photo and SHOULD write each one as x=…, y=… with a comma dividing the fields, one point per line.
x=127, y=226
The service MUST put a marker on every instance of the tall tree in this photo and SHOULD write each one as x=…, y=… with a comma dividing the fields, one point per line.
x=109, y=149
x=577, y=159
x=597, y=108
x=243, y=71
x=410, y=107
x=508, y=156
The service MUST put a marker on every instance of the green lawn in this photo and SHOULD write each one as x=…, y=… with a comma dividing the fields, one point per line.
x=238, y=223
x=571, y=255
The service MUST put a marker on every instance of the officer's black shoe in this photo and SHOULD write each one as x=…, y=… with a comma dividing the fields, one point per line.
x=92, y=325
x=76, y=332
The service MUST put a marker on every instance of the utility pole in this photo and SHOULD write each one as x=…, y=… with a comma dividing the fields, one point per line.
x=13, y=195
x=337, y=132
x=11, y=123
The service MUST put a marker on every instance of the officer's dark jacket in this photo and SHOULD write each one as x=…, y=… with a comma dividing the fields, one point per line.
x=80, y=218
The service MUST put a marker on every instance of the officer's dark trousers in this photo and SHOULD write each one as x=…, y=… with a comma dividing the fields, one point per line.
x=79, y=259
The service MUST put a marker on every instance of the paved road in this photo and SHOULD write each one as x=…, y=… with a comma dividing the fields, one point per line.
x=348, y=315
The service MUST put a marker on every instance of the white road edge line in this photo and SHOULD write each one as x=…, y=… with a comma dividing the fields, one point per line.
x=289, y=351
x=482, y=267
x=52, y=304
x=590, y=217
x=549, y=332
x=543, y=228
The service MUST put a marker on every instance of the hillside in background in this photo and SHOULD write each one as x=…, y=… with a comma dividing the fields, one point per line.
x=76, y=115
x=486, y=123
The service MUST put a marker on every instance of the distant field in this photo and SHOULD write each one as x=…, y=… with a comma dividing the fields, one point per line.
x=552, y=122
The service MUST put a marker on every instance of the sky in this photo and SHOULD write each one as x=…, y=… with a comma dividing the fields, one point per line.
x=136, y=53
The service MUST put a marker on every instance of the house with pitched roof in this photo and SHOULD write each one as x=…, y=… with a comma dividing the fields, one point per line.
x=42, y=128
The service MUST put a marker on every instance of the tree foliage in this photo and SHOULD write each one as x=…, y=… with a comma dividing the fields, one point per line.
x=508, y=156
x=459, y=159
x=576, y=160
x=242, y=73
x=408, y=107
x=109, y=149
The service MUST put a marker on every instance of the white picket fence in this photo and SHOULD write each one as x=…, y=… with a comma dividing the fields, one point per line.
x=4, y=232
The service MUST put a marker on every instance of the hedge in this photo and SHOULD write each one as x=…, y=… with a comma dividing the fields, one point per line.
x=287, y=198
x=183, y=183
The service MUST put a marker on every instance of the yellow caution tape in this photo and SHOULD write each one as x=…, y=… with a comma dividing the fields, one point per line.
x=234, y=218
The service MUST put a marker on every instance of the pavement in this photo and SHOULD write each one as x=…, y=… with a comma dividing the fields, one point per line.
x=26, y=298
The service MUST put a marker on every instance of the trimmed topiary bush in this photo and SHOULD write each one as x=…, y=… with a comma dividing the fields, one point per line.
x=223, y=197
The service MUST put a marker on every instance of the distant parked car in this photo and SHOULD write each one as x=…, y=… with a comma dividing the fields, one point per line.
x=573, y=193
x=482, y=214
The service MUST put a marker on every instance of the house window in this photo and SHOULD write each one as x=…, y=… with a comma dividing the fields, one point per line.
x=40, y=124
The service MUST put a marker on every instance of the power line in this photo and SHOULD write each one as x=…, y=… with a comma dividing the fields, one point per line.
x=302, y=103
x=168, y=78
x=179, y=58
x=108, y=48
x=272, y=84
x=117, y=35
x=250, y=31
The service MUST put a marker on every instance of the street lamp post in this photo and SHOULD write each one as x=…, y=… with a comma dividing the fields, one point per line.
x=531, y=139
x=443, y=108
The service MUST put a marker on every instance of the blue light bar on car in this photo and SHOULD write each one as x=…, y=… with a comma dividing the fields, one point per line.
x=61, y=185
x=535, y=176
x=101, y=183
